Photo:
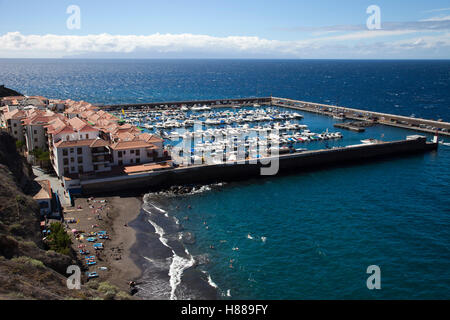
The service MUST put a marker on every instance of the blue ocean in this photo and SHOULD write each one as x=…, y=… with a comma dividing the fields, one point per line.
x=310, y=235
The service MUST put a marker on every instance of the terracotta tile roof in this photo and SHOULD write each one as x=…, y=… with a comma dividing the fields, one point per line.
x=74, y=143
x=126, y=136
x=99, y=143
x=81, y=125
x=38, y=120
x=15, y=115
x=136, y=144
x=45, y=192
x=149, y=138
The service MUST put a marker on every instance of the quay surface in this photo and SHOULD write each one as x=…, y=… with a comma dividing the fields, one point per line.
x=205, y=174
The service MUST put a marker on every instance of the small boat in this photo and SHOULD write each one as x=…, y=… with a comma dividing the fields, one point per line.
x=98, y=246
x=369, y=141
x=92, y=275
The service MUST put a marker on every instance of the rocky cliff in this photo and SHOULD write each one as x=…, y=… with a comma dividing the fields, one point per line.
x=27, y=269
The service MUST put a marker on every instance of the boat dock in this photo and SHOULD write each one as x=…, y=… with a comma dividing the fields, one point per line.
x=350, y=127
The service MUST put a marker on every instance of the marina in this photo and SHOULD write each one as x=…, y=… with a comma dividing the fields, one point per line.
x=336, y=112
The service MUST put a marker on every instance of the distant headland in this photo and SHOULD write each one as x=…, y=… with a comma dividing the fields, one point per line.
x=5, y=92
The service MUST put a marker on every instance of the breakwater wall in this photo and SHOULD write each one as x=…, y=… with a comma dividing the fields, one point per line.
x=188, y=103
x=416, y=124
x=206, y=174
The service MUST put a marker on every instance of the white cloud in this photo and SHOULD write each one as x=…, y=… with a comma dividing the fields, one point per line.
x=438, y=18
x=15, y=44
x=438, y=10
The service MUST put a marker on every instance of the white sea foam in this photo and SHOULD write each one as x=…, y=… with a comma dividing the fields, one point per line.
x=210, y=282
x=159, y=209
x=178, y=265
x=176, y=270
x=249, y=236
x=263, y=239
x=161, y=233
x=229, y=293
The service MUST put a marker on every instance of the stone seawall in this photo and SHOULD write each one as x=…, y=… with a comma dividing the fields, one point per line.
x=205, y=174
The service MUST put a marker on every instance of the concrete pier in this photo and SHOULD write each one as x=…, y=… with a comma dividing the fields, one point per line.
x=205, y=174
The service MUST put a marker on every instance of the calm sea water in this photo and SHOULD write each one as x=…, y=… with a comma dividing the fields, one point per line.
x=304, y=236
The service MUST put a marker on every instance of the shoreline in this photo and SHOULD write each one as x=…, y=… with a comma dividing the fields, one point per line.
x=170, y=271
x=115, y=216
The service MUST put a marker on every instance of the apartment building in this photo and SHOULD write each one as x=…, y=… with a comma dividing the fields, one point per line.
x=12, y=121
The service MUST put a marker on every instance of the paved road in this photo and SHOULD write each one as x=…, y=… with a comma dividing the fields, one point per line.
x=54, y=182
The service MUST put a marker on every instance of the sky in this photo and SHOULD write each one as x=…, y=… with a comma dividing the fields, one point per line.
x=284, y=29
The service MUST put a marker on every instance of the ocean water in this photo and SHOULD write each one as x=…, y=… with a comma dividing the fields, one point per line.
x=402, y=87
x=309, y=235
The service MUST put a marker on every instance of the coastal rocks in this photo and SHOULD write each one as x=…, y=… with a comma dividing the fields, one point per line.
x=187, y=238
x=202, y=259
x=181, y=190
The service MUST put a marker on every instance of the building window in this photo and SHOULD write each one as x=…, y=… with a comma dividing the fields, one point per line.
x=15, y=125
x=138, y=152
x=66, y=161
x=72, y=169
x=120, y=154
x=120, y=163
x=79, y=150
x=35, y=139
x=138, y=160
x=80, y=160
x=66, y=171
x=80, y=169
x=132, y=151
x=15, y=132
x=87, y=136
x=95, y=167
x=131, y=161
x=35, y=131
x=72, y=150
x=65, y=153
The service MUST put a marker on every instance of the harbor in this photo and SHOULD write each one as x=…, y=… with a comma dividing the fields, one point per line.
x=221, y=140
x=336, y=112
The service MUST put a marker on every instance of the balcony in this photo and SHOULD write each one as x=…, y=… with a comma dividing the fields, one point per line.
x=99, y=151
x=101, y=159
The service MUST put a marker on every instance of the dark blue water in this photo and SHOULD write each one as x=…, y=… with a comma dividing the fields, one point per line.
x=310, y=235
x=402, y=87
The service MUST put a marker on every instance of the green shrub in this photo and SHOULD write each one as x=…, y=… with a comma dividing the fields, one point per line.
x=29, y=261
x=20, y=144
x=59, y=240
x=122, y=295
x=92, y=284
x=105, y=287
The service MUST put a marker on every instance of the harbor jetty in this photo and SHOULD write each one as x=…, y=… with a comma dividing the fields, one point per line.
x=411, y=123
x=234, y=171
